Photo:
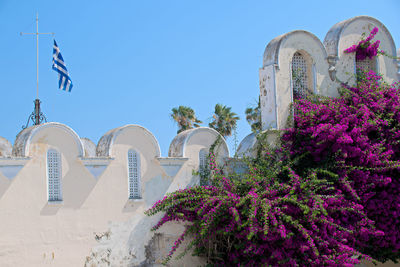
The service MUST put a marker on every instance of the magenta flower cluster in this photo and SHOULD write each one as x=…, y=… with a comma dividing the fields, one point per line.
x=272, y=216
x=365, y=48
x=357, y=136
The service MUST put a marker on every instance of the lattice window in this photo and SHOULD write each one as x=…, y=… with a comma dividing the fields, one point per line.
x=300, y=79
x=203, y=159
x=54, y=175
x=134, y=174
x=366, y=65
x=203, y=153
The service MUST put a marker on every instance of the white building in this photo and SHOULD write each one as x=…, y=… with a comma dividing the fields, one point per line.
x=65, y=201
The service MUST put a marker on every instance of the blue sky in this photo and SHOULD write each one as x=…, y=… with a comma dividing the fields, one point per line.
x=131, y=62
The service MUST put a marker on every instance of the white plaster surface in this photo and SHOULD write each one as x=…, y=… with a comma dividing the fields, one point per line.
x=95, y=224
x=36, y=232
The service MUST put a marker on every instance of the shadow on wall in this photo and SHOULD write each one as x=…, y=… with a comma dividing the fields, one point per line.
x=76, y=189
x=4, y=184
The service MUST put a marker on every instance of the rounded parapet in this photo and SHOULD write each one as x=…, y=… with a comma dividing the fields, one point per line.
x=348, y=33
x=253, y=142
x=89, y=147
x=128, y=134
x=302, y=40
x=193, y=140
x=5, y=147
x=334, y=36
x=50, y=133
x=246, y=147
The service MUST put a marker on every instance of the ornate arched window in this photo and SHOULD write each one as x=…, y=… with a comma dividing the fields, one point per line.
x=54, y=175
x=134, y=174
x=302, y=76
x=366, y=64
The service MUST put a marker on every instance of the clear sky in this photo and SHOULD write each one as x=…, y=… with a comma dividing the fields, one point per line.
x=131, y=62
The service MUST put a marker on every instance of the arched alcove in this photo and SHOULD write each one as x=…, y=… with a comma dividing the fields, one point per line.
x=294, y=65
x=302, y=75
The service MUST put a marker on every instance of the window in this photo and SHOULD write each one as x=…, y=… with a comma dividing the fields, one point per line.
x=54, y=175
x=134, y=174
x=366, y=64
x=202, y=159
x=301, y=76
x=203, y=170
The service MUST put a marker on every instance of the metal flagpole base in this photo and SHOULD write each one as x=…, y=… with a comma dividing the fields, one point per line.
x=37, y=117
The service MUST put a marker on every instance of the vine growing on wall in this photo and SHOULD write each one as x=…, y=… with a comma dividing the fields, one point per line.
x=206, y=172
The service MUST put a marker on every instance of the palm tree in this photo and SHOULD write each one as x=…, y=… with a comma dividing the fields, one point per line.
x=253, y=117
x=185, y=118
x=224, y=121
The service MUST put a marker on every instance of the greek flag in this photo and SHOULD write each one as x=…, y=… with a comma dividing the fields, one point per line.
x=64, y=82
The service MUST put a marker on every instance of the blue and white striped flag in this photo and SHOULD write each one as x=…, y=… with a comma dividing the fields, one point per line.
x=64, y=82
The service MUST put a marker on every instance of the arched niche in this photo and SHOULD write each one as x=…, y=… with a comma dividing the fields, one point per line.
x=302, y=75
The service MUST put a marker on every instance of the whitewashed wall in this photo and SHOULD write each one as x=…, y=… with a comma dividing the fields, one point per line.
x=95, y=223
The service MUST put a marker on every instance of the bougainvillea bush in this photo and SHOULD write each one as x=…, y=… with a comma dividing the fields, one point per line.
x=365, y=48
x=358, y=137
x=271, y=216
x=329, y=196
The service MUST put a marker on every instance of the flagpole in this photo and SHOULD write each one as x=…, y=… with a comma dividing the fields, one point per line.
x=37, y=116
x=37, y=55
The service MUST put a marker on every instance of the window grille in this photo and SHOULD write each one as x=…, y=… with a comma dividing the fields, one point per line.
x=54, y=175
x=366, y=64
x=203, y=170
x=134, y=174
x=299, y=76
x=202, y=159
